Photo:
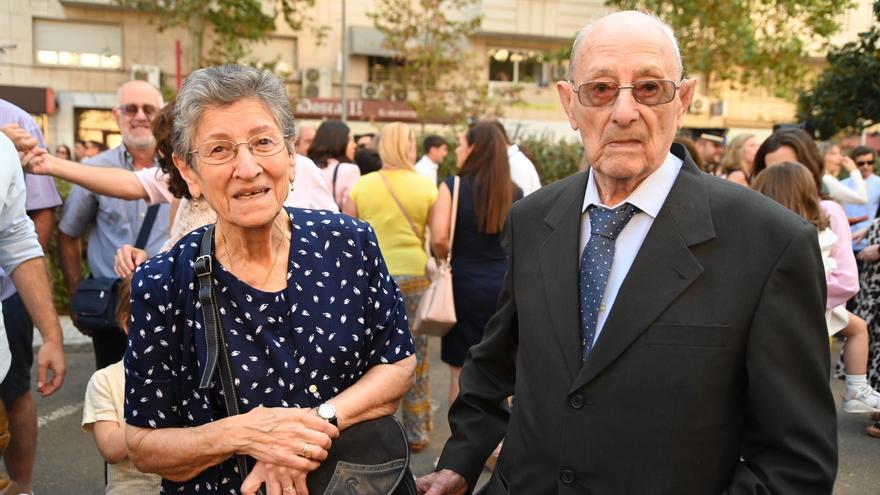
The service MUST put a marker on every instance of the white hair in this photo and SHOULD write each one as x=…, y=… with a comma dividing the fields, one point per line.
x=585, y=31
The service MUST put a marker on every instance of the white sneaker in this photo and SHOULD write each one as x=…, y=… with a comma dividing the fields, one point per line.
x=863, y=400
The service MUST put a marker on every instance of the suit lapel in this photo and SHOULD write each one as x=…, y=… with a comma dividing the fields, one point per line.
x=662, y=270
x=559, y=262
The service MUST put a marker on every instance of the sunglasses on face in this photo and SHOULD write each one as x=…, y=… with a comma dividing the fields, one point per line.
x=605, y=93
x=865, y=163
x=131, y=109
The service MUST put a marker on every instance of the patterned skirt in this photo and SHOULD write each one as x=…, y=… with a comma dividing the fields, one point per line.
x=417, y=402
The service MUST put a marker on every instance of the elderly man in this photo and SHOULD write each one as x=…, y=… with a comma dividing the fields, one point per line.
x=113, y=222
x=661, y=329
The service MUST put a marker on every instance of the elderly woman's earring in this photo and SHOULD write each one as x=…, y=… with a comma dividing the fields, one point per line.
x=195, y=202
x=291, y=186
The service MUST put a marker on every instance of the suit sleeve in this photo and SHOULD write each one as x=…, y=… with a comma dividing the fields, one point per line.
x=478, y=418
x=787, y=363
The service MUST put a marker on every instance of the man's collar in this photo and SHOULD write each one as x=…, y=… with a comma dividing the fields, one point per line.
x=650, y=195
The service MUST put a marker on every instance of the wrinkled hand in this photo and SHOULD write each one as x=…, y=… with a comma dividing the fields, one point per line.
x=445, y=482
x=37, y=161
x=127, y=259
x=849, y=164
x=870, y=253
x=279, y=436
x=50, y=358
x=21, y=138
x=279, y=480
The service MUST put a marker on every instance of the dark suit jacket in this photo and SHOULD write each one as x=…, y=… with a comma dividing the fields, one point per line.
x=715, y=350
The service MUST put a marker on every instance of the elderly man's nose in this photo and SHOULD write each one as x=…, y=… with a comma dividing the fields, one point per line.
x=625, y=108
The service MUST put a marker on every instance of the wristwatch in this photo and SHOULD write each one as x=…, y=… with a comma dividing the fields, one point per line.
x=327, y=412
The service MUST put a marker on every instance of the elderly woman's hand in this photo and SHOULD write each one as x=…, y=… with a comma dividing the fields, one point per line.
x=291, y=437
x=279, y=480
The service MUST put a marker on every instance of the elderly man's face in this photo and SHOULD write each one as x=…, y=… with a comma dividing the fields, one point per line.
x=627, y=140
x=138, y=104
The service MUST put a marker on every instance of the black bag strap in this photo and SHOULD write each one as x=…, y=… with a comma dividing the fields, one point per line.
x=214, y=339
x=335, y=173
x=146, y=227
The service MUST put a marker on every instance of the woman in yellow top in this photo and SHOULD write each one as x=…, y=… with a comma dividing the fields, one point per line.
x=397, y=202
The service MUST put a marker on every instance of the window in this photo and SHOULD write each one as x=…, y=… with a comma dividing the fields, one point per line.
x=277, y=54
x=518, y=66
x=383, y=69
x=78, y=44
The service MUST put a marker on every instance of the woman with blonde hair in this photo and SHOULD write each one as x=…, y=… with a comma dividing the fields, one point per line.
x=738, y=162
x=832, y=161
x=398, y=202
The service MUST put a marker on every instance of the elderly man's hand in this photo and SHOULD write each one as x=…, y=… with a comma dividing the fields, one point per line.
x=127, y=259
x=291, y=437
x=21, y=138
x=445, y=482
x=279, y=480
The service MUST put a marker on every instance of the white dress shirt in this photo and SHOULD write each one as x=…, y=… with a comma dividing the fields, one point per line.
x=522, y=171
x=649, y=198
x=427, y=168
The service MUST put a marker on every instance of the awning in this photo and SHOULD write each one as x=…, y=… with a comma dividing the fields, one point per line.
x=29, y=99
x=367, y=41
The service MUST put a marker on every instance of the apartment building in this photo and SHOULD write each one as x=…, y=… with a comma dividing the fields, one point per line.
x=63, y=59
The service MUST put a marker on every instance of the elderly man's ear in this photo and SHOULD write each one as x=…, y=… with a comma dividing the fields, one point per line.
x=686, y=95
x=567, y=97
x=189, y=175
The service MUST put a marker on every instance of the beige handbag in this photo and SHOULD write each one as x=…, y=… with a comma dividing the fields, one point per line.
x=436, y=312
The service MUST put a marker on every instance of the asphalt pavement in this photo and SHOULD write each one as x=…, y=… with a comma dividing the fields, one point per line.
x=69, y=464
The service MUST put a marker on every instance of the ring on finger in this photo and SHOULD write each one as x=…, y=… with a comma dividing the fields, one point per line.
x=288, y=488
x=307, y=450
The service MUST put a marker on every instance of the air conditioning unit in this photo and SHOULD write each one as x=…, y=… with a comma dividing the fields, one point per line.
x=699, y=105
x=149, y=73
x=718, y=109
x=315, y=82
x=372, y=91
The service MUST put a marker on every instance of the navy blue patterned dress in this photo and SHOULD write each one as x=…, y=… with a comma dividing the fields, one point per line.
x=340, y=315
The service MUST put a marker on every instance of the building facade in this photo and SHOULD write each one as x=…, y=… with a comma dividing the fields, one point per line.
x=62, y=60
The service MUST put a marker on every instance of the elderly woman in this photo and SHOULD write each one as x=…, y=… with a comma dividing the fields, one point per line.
x=397, y=202
x=308, y=311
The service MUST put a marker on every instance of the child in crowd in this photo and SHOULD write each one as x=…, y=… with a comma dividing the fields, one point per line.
x=792, y=185
x=103, y=418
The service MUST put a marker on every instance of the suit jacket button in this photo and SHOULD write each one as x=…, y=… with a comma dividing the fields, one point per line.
x=567, y=476
x=577, y=401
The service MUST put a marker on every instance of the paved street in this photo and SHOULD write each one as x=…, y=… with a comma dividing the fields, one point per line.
x=68, y=462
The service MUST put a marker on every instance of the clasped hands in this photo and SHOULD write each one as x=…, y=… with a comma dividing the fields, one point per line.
x=288, y=443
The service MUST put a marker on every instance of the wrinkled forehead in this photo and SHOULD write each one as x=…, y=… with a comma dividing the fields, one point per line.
x=626, y=48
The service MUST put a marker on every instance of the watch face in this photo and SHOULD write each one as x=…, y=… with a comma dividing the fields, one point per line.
x=327, y=411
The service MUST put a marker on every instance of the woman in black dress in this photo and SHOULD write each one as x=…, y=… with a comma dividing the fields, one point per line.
x=486, y=193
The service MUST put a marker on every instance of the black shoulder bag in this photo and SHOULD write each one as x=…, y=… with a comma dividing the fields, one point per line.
x=95, y=300
x=371, y=457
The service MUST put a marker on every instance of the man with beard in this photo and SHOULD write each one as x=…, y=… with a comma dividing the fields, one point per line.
x=113, y=222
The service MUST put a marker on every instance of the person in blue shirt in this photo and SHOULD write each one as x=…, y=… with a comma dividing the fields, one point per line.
x=864, y=157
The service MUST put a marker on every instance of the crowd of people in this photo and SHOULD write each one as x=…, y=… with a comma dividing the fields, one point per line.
x=613, y=330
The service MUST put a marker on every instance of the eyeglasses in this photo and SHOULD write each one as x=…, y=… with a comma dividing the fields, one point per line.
x=220, y=151
x=865, y=163
x=603, y=93
x=131, y=109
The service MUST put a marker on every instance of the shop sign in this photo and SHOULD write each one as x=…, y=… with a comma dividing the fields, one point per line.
x=370, y=110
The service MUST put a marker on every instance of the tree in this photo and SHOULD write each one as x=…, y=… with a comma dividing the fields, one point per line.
x=750, y=42
x=846, y=97
x=234, y=23
x=427, y=38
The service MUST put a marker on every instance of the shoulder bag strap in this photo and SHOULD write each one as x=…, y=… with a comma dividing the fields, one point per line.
x=214, y=339
x=412, y=224
x=335, y=173
x=455, y=187
x=146, y=227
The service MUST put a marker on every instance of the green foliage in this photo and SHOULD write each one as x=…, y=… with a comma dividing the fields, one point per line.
x=235, y=24
x=553, y=158
x=754, y=43
x=428, y=38
x=846, y=97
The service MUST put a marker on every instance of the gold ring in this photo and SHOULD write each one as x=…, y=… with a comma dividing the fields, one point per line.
x=288, y=488
x=307, y=451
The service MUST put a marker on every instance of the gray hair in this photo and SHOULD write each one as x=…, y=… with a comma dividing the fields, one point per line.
x=221, y=86
x=588, y=28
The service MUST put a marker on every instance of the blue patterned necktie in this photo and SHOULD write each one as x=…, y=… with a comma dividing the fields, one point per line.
x=605, y=226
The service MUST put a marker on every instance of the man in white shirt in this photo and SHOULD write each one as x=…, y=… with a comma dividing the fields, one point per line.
x=436, y=148
x=522, y=170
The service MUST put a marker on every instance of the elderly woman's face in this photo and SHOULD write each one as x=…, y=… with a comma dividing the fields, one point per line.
x=249, y=189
